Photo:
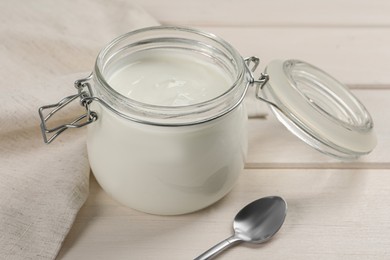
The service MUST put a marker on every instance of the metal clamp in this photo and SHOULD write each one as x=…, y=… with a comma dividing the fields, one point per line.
x=261, y=81
x=83, y=120
x=253, y=59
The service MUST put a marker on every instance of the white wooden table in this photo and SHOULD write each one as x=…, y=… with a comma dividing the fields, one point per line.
x=337, y=210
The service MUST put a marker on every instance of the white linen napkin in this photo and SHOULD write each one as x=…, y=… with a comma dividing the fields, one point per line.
x=43, y=44
x=42, y=187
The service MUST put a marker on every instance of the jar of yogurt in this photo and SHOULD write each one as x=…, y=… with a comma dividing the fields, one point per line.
x=167, y=123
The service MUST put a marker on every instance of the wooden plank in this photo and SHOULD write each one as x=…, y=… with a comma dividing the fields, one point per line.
x=333, y=214
x=271, y=13
x=271, y=145
x=355, y=56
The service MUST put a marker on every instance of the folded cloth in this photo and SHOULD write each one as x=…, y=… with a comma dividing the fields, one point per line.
x=43, y=44
x=42, y=187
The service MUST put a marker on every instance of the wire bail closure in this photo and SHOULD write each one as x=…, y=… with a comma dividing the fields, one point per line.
x=84, y=93
x=261, y=81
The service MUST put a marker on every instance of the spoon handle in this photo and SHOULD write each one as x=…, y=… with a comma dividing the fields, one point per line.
x=218, y=248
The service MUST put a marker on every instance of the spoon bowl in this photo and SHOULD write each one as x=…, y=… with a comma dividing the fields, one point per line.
x=256, y=223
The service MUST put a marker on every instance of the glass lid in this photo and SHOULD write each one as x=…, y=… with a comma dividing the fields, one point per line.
x=318, y=109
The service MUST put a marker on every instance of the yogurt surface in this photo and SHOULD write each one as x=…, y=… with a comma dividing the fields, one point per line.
x=167, y=78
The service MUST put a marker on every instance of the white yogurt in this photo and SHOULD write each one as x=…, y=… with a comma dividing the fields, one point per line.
x=167, y=170
x=169, y=79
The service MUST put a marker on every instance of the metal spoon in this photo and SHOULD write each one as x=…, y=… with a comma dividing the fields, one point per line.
x=257, y=222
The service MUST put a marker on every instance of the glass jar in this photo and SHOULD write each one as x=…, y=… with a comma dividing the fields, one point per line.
x=175, y=159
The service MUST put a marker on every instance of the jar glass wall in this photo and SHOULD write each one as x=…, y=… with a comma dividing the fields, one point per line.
x=168, y=159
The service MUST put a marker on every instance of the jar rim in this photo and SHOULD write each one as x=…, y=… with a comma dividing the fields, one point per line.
x=175, y=115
